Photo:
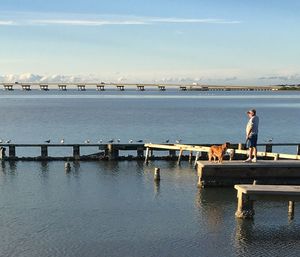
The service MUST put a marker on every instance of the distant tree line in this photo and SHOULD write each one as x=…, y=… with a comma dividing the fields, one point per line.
x=289, y=87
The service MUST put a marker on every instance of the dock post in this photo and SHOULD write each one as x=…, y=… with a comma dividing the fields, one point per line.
x=147, y=155
x=172, y=153
x=140, y=152
x=241, y=146
x=298, y=150
x=191, y=157
x=245, y=207
x=113, y=152
x=76, y=152
x=2, y=153
x=269, y=148
x=12, y=151
x=179, y=156
x=44, y=151
x=157, y=174
x=291, y=209
x=196, y=158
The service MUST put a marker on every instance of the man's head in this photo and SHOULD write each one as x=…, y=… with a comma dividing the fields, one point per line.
x=251, y=112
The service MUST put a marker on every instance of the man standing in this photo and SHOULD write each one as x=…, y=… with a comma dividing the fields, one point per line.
x=251, y=134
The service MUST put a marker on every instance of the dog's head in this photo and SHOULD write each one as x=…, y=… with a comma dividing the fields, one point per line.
x=225, y=145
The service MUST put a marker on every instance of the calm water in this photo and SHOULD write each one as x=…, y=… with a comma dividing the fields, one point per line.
x=115, y=208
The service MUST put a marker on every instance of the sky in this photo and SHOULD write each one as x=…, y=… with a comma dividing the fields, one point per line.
x=226, y=42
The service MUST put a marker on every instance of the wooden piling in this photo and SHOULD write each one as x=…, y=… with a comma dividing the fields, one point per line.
x=157, y=174
x=147, y=156
x=12, y=151
x=113, y=152
x=140, y=151
x=44, y=151
x=191, y=157
x=245, y=207
x=76, y=152
x=269, y=148
x=291, y=209
x=179, y=156
x=172, y=153
x=198, y=154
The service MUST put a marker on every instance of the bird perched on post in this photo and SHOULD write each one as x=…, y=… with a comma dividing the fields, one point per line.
x=178, y=141
x=139, y=141
x=87, y=141
x=111, y=141
x=47, y=141
x=167, y=141
x=62, y=141
x=8, y=141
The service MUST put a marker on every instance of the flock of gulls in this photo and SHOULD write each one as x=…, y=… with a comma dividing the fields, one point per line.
x=88, y=141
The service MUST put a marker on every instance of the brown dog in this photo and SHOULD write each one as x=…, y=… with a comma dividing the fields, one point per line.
x=217, y=151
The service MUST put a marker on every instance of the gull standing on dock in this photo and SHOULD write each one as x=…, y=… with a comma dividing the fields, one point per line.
x=87, y=141
x=178, y=141
x=100, y=141
x=48, y=141
x=139, y=141
x=62, y=141
x=111, y=141
x=8, y=141
x=130, y=141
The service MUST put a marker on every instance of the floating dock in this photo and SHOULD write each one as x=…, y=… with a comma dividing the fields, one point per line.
x=280, y=172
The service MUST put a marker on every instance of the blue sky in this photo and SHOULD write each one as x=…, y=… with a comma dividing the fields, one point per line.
x=211, y=42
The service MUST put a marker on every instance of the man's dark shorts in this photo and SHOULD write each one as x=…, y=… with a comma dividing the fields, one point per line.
x=252, y=142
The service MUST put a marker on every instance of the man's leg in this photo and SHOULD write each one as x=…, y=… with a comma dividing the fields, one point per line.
x=250, y=152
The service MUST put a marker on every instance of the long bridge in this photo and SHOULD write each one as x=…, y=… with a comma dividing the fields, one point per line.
x=101, y=86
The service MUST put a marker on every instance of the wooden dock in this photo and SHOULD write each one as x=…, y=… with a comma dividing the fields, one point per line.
x=285, y=172
x=247, y=194
x=27, y=86
x=111, y=151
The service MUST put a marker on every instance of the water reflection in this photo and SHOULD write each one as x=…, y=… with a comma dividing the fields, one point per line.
x=212, y=203
x=249, y=237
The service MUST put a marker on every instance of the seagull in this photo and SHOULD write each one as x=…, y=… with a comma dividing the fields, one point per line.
x=178, y=141
x=269, y=140
x=139, y=141
x=87, y=141
x=167, y=141
x=62, y=141
x=118, y=140
x=47, y=141
x=111, y=141
x=8, y=141
x=1, y=141
x=100, y=141
x=130, y=141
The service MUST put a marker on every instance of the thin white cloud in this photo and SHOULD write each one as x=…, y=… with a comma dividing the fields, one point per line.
x=6, y=23
x=86, y=22
x=25, y=19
